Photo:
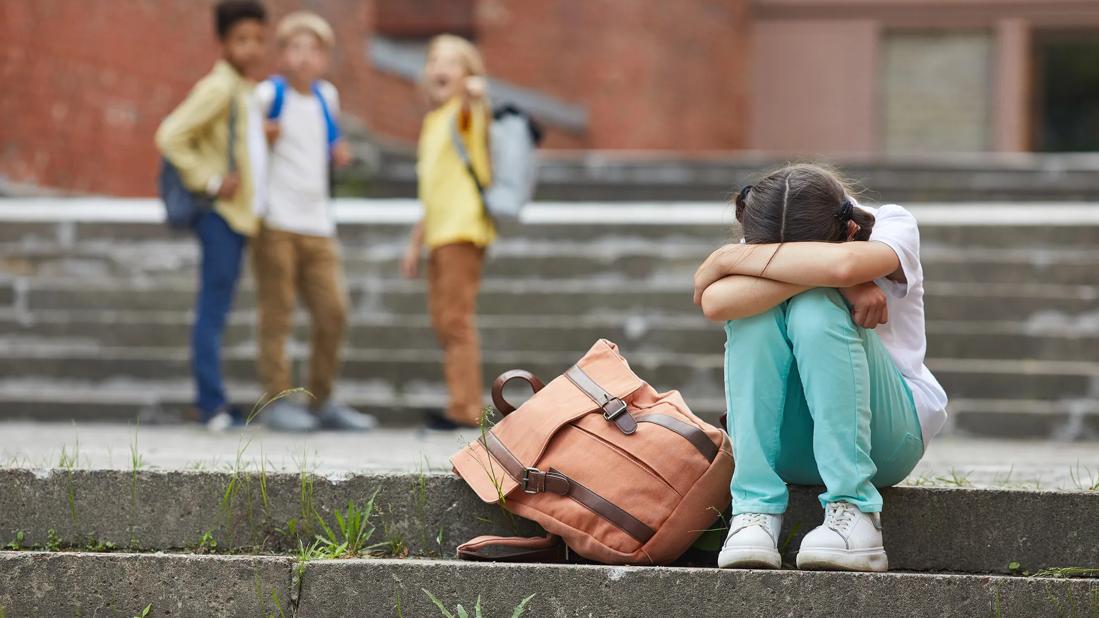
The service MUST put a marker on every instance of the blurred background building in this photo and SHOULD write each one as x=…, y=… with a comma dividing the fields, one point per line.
x=86, y=83
x=961, y=109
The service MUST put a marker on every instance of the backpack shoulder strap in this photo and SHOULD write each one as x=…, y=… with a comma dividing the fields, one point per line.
x=463, y=154
x=332, y=129
x=279, y=82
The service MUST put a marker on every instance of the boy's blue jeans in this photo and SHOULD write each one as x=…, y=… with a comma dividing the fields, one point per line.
x=814, y=399
x=222, y=252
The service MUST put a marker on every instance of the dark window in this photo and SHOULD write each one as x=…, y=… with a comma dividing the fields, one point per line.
x=1066, y=91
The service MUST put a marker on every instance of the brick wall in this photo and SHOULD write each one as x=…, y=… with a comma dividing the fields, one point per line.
x=653, y=75
x=85, y=84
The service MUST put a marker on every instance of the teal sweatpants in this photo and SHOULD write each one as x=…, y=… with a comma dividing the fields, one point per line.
x=814, y=399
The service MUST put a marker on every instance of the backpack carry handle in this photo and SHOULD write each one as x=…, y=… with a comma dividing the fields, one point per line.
x=498, y=400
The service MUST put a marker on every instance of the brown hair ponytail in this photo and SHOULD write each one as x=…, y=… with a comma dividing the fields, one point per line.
x=800, y=203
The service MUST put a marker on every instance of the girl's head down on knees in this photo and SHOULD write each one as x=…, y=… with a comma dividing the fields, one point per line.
x=801, y=203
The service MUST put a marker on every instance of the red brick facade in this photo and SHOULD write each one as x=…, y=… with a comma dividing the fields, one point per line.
x=85, y=84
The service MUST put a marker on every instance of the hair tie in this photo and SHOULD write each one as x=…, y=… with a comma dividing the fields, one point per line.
x=744, y=191
x=846, y=210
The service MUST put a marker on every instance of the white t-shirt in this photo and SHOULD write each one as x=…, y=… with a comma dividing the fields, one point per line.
x=257, y=159
x=297, y=172
x=904, y=335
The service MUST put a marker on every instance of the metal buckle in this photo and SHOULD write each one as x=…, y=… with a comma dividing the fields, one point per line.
x=613, y=409
x=524, y=481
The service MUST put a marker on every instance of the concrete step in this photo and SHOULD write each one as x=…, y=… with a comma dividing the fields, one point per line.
x=944, y=301
x=88, y=584
x=1065, y=341
x=698, y=376
x=535, y=259
x=973, y=530
x=168, y=401
x=368, y=223
x=644, y=176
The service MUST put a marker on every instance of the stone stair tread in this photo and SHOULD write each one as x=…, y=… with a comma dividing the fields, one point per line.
x=215, y=585
x=975, y=530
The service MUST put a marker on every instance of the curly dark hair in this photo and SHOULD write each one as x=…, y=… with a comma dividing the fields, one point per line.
x=228, y=13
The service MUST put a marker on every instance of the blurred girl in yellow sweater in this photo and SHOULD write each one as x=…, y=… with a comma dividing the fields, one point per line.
x=455, y=227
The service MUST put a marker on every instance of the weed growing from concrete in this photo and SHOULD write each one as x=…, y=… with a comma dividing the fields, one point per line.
x=460, y=612
x=955, y=479
x=93, y=544
x=207, y=544
x=16, y=544
x=419, y=501
x=995, y=611
x=53, y=542
x=1087, y=572
x=136, y=463
x=395, y=544
x=1083, y=478
x=484, y=425
x=354, y=531
x=304, y=556
x=68, y=461
x=145, y=612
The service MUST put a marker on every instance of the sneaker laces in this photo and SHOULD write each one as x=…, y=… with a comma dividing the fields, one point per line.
x=747, y=520
x=840, y=516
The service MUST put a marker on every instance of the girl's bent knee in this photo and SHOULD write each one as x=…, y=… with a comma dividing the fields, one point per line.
x=816, y=312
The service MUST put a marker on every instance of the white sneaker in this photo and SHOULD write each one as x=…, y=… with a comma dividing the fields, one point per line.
x=752, y=542
x=222, y=422
x=848, y=540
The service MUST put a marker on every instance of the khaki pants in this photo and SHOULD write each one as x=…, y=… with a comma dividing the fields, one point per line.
x=286, y=265
x=453, y=278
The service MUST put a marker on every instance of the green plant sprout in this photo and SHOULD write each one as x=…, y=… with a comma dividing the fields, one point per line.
x=460, y=612
x=16, y=544
x=354, y=531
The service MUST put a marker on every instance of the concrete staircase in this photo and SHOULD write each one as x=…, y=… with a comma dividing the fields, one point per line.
x=132, y=538
x=95, y=299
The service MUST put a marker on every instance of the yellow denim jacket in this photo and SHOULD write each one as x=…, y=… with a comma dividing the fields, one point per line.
x=195, y=138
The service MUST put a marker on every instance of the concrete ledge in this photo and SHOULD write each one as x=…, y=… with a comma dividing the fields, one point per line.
x=926, y=529
x=38, y=584
x=80, y=584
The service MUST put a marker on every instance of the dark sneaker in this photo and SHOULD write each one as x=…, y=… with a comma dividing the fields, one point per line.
x=437, y=421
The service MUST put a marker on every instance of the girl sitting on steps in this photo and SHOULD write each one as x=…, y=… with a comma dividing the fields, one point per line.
x=824, y=364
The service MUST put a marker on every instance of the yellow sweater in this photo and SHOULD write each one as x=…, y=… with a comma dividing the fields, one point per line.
x=452, y=208
x=195, y=138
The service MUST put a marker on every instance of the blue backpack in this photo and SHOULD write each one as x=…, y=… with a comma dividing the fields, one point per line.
x=333, y=130
x=182, y=206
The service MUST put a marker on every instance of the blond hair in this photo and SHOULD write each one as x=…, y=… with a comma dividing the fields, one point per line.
x=304, y=21
x=471, y=58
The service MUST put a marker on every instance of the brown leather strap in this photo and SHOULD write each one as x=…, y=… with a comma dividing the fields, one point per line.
x=608, y=510
x=534, y=481
x=531, y=480
x=514, y=549
x=498, y=400
x=614, y=409
x=693, y=434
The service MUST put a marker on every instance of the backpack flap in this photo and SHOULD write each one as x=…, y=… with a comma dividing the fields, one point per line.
x=526, y=433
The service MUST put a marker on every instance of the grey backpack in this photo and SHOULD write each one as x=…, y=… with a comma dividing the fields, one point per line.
x=513, y=137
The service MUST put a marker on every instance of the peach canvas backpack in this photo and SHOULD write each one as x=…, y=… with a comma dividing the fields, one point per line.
x=621, y=473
